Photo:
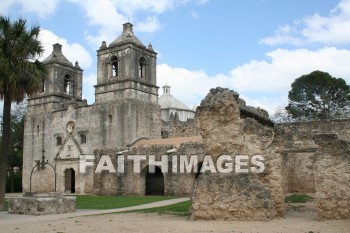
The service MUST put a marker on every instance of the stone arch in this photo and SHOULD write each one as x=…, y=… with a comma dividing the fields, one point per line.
x=142, y=67
x=68, y=84
x=69, y=180
x=114, y=61
x=154, y=181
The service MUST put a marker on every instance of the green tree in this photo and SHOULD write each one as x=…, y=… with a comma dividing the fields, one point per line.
x=317, y=96
x=20, y=76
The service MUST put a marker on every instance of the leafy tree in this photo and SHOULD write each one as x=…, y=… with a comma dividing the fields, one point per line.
x=20, y=77
x=318, y=95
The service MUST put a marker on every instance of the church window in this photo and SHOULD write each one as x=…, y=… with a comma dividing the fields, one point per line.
x=68, y=86
x=115, y=66
x=59, y=140
x=142, y=67
x=43, y=85
x=82, y=138
x=110, y=117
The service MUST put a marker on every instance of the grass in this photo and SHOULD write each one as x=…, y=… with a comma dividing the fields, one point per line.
x=178, y=209
x=297, y=198
x=6, y=206
x=113, y=202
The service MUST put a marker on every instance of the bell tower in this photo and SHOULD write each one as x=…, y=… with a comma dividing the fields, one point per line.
x=126, y=69
x=61, y=86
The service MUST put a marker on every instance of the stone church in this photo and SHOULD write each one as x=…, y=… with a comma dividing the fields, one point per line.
x=61, y=126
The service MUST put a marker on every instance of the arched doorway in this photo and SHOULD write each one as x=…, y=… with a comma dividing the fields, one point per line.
x=69, y=176
x=154, y=182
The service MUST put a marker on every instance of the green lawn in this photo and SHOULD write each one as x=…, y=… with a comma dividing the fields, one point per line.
x=6, y=206
x=297, y=198
x=113, y=202
x=179, y=209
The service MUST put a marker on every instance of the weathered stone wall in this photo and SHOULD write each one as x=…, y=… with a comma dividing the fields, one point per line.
x=332, y=177
x=41, y=205
x=298, y=164
x=131, y=183
x=108, y=124
x=300, y=175
x=226, y=130
x=304, y=131
x=176, y=128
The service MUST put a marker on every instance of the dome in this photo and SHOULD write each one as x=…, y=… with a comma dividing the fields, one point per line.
x=167, y=101
x=173, y=109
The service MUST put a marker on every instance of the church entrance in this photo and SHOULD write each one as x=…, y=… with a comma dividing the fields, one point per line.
x=69, y=176
x=155, y=182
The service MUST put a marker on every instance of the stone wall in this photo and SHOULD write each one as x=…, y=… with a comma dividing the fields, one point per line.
x=296, y=138
x=131, y=183
x=228, y=127
x=41, y=205
x=175, y=128
x=300, y=175
x=332, y=177
x=117, y=123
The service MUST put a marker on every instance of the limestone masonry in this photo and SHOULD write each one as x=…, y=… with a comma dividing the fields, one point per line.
x=129, y=118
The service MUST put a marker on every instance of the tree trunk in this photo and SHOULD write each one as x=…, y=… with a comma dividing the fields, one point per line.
x=6, y=130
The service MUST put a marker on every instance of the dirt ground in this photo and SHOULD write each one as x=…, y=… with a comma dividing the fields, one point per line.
x=295, y=221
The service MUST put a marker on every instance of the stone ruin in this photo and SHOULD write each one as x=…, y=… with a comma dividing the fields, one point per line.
x=229, y=127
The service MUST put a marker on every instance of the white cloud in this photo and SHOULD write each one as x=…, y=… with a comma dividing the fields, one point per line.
x=41, y=7
x=151, y=24
x=73, y=51
x=108, y=15
x=286, y=65
x=263, y=83
x=189, y=86
x=331, y=29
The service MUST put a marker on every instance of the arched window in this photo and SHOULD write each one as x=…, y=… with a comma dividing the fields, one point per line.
x=142, y=67
x=68, y=86
x=58, y=140
x=82, y=138
x=115, y=66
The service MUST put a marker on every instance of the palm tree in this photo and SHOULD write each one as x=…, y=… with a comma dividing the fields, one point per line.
x=20, y=76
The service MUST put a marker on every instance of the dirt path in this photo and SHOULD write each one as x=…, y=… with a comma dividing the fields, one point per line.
x=303, y=220
x=143, y=223
x=299, y=218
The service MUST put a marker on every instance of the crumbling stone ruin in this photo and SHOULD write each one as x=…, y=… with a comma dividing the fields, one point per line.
x=226, y=130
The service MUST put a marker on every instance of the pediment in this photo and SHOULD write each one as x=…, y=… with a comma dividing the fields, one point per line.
x=70, y=149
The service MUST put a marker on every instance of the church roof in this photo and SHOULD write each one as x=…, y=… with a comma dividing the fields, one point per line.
x=167, y=101
x=127, y=36
x=57, y=56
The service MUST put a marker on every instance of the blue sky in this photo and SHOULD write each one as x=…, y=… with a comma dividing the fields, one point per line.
x=255, y=47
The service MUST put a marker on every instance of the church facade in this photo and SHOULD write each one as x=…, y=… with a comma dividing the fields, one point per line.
x=63, y=128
